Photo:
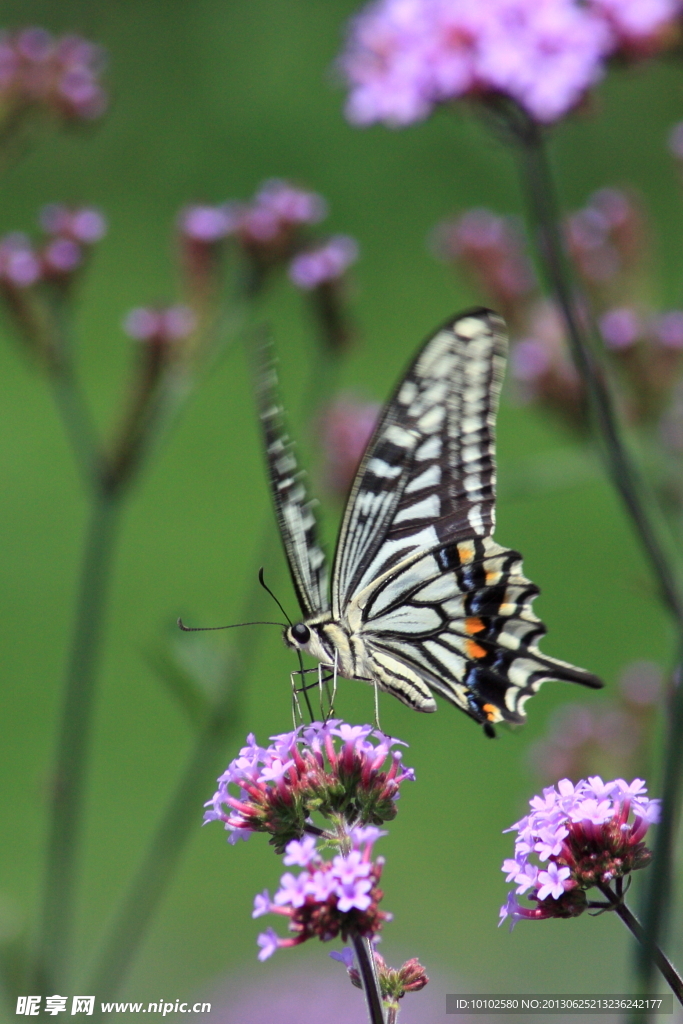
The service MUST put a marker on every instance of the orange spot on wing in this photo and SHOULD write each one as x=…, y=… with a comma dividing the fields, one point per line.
x=466, y=552
x=492, y=577
x=475, y=650
x=491, y=711
x=474, y=625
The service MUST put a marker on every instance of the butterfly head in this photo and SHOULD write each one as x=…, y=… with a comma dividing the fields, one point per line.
x=311, y=639
x=298, y=635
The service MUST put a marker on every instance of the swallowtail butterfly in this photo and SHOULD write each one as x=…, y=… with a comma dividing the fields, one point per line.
x=423, y=599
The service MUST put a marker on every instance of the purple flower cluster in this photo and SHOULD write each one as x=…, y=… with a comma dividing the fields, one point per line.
x=328, y=897
x=403, y=57
x=270, y=229
x=329, y=768
x=605, y=237
x=69, y=233
x=60, y=74
x=324, y=263
x=582, y=838
x=161, y=325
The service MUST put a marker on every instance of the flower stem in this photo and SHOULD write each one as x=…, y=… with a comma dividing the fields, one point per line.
x=369, y=977
x=543, y=212
x=73, y=745
x=542, y=206
x=182, y=814
x=653, y=951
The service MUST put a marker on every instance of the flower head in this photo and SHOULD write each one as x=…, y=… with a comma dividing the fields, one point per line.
x=328, y=898
x=161, y=325
x=323, y=264
x=584, y=835
x=330, y=768
x=60, y=74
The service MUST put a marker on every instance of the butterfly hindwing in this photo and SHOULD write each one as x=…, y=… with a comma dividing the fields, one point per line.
x=293, y=507
x=460, y=616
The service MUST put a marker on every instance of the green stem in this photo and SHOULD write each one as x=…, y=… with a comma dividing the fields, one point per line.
x=542, y=206
x=74, y=746
x=368, y=973
x=653, y=952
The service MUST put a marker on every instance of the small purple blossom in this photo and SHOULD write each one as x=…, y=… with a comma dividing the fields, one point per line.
x=206, y=224
x=84, y=225
x=327, y=262
x=19, y=264
x=583, y=833
x=620, y=327
x=162, y=325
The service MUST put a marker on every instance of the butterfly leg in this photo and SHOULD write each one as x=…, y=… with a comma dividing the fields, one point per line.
x=297, y=714
x=376, y=688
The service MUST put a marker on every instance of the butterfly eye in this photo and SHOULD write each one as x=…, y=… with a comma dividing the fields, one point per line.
x=301, y=633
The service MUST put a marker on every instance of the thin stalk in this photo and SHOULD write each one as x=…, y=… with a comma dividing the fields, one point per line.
x=668, y=971
x=74, y=745
x=543, y=210
x=183, y=811
x=368, y=973
x=182, y=815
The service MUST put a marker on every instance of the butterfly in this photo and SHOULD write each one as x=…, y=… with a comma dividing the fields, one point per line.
x=423, y=600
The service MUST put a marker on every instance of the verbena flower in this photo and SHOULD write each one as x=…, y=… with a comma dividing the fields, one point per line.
x=403, y=57
x=328, y=897
x=161, y=325
x=338, y=771
x=580, y=836
x=268, y=227
x=324, y=263
x=19, y=263
x=60, y=74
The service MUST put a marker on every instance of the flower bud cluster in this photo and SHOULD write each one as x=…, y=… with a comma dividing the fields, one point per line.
x=582, y=838
x=68, y=236
x=328, y=897
x=161, y=325
x=328, y=768
x=61, y=75
x=270, y=229
x=393, y=982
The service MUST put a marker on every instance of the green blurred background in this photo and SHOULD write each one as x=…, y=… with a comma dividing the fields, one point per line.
x=209, y=98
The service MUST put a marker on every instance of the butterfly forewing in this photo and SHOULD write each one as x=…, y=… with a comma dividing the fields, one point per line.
x=293, y=507
x=428, y=474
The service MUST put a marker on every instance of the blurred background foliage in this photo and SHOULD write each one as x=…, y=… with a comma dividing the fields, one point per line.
x=210, y=98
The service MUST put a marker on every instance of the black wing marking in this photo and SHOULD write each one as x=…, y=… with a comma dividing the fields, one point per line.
x=460, y=617
x=428, y=474
x=293, y=508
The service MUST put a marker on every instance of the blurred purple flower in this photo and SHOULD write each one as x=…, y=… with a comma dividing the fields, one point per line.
x=61, y=74
x=86, y=224
x=325, y=263
x=620, y=328
x=161, y=325
x=19, y=264
x=668, y=329
x=403, y=57
x=640, y=26
x=207, y=224
x=61, y=256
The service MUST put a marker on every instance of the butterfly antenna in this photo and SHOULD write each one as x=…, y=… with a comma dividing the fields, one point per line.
x=234, y=625
x=269, y=591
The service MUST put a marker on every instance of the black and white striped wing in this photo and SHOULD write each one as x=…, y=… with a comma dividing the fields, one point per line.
x=293, y=508
x=437, y=604
x=459, y=619
x=428, y=474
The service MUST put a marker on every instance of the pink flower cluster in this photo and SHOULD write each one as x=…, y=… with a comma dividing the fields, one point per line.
x=161, y=325
x=329, y=897
x=329, y=768
x=324, y=263
x=403, y=57
x=69, y=235
x=61, y=74
x=582, y=834
x=394, y=983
